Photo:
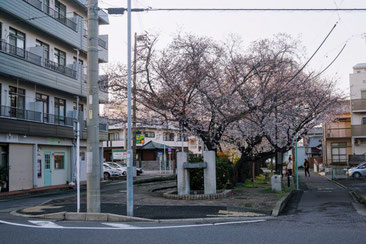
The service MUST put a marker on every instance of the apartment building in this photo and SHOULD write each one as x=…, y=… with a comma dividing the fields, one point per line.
x=337, y=139
x=153, y=142
x=358, y=112
x=43, y=57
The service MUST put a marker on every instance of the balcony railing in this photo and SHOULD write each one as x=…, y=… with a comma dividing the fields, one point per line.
x=356, y=159
x=102, y=43
x=53, y=13
x=358, y=130
x=29, y=115
x=338, y=133
x=35, y=59
x=358, y=104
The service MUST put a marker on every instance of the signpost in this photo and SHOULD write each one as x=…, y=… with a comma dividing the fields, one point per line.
x=119, y=155
x=140, y=139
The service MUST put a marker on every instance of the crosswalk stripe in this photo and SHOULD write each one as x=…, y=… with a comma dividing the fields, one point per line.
x=120, y=226
x=48, y=224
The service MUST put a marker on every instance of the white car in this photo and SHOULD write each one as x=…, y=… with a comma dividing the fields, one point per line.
x=358, y=171
x=109, y=172
x=118, y=167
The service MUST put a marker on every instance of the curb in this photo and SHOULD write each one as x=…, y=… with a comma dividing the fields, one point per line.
x=280, y=205
x=174, y=195
x=96, y=217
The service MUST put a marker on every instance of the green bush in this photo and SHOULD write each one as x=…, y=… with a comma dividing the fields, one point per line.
x=223, y=171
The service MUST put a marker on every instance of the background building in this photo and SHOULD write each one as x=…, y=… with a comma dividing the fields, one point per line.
x=43, y=56
x=156, y=142
x=358, y=113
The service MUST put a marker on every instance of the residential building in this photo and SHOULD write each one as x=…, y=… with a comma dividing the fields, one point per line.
x=43, y=57
x=154, y=142
x=337, y=139
x=358, y=113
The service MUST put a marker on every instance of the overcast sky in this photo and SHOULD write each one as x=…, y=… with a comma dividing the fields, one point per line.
x=310, y=27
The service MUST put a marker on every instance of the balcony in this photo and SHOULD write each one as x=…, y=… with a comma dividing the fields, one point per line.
x=358, y=105
x=29, y=115
x=338, y=133
x=34, y=123
x=53, y=13
x=35, y=59
x=358, y=130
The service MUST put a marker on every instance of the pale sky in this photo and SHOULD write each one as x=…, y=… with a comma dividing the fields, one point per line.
x=310, y=27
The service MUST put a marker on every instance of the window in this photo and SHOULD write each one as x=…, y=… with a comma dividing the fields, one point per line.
x=149, y=134
x=61, y=11
x=60, y=57
x=17, y=42
x=81, y=62
x=81, y=107
x=47, y=161
x=44, y=99
x=363, y=94
x=169, y=137
x=113, y=136
x=17, y=102
x=60, y=110
x=363, y=120
x=59, y=160
x=339, y=152
x=185, y=137
x=46, y=49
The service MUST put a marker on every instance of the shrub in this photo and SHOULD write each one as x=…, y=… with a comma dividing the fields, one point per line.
x=223, y=172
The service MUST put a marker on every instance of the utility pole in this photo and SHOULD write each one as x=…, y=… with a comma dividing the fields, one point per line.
x=129, y=151
x=134, y=103
x=93, y=164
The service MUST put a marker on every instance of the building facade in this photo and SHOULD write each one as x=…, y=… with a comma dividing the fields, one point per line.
x=156, y=142
x=358, y=112
x=43, y=57
x=337, y=139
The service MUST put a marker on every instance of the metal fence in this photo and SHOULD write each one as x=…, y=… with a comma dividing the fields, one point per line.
x=35, y=59
x=29, y=115
x=53, y=13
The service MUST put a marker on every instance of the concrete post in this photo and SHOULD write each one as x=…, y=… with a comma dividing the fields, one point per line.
x=210, y=172
x=93, y=163
x=182, y=174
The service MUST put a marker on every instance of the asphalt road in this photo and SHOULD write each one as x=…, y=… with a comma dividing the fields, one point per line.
x=321, y=213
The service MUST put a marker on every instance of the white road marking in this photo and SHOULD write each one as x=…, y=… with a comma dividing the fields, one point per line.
x=46, y=224
x=126, y=226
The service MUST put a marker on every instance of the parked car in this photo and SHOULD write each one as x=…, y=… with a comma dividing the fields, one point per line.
x=139, y=171
x=358, y=171
x=109, y=172
x=118, y=167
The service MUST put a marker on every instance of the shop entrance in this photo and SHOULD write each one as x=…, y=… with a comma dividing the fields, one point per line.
x=4, y=168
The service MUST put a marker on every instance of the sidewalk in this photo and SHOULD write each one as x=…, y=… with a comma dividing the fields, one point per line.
x=150, y=203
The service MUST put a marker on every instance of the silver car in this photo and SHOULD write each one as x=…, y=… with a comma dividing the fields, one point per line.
x=358, y=171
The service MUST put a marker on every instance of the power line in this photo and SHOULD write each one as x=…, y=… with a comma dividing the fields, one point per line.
x=150, y=9
x=336, y=57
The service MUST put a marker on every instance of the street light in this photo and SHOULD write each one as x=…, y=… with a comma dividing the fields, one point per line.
x=297, y=168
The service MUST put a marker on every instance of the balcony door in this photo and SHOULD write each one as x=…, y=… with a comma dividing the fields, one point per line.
x=61, y=11
x=17, y=42
x=45, y=110
x=17, y=102
x=60, y=111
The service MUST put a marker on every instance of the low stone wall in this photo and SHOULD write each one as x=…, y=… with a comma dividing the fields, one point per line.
x=174, y=195
x=150, y=165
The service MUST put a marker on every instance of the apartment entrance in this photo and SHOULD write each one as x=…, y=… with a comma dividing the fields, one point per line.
x=4, y=168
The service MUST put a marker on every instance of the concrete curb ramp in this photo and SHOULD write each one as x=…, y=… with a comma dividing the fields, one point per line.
x=73, y=216
x=280, y=205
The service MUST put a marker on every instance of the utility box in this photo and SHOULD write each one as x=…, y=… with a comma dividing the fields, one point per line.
x=276, y=182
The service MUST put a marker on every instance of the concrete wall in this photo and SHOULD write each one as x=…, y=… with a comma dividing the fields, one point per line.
x=21, y=167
